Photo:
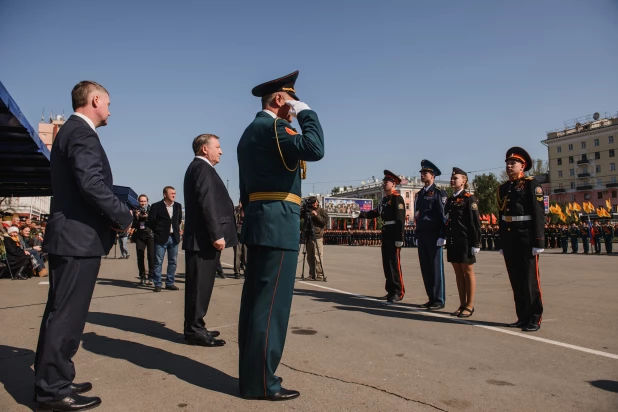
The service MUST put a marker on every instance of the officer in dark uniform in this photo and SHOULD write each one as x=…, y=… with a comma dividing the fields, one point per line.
x=497, y=244
x=430, y=235
x=547, y=236
x=484, y=236
x=522, y=218
x=564, y=238
x=392, y=210
x=608, y=236
x=584, y=229
x=490, y=237
x=597, y=235
x=271, y=161
x=574, y=234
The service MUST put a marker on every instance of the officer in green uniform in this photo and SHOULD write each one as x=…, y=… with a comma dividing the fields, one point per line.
x=585, y=231
x=574, y=234
x=271, y=161
x=608, y=236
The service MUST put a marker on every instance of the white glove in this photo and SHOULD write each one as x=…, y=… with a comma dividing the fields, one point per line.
x=501, y=252
x=297, y=107
x=441, y=242
x=537, y=251
x=476, y=250
x=415, y=242
x=398, y=244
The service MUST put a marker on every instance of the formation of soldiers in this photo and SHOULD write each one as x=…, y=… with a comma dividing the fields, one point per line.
x=559, y=236
x=363, y=237
x=490, y=237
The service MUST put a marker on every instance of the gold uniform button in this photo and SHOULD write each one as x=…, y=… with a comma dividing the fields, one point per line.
x=509, y=229
x=508, y=210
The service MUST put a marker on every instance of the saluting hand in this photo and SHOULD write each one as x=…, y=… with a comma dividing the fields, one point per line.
x=297, y=107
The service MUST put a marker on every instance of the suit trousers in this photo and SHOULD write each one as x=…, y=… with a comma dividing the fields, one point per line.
x=71, y=284
x=523, y=269
x=141, y=246
x=240, y=256
x=391, y=263
x=264, y=314
x=432, y=267
x=200, y=280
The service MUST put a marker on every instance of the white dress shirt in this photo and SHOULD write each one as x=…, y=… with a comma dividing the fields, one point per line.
x=274, y=116
x=87, y=119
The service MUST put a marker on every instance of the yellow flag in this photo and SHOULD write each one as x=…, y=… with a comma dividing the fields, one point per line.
x=577, y=207
x=569, y=207
x=608, y=203
x=576, y=217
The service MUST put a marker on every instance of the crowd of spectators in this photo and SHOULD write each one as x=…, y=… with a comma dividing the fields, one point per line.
x=21, y=248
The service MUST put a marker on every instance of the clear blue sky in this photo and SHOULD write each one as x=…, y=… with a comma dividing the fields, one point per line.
x=456, y=82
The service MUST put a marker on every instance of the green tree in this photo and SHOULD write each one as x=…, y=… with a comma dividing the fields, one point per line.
x=449, y=191
x=485, y=191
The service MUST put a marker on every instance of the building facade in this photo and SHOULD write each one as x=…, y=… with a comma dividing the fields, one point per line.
x=582, y=161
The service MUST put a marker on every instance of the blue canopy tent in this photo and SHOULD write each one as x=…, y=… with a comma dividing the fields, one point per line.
x=126, y=195
x=24, y=158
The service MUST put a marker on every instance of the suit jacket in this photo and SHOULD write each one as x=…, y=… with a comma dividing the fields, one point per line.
x=209, y=209
x=160, y=222
x=275, y=223
x=83, y=208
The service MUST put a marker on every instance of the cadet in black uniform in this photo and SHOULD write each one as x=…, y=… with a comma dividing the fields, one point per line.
x=608, y=236
x=490, y=237
x=430, y=235
x=463, y=240
x=392, y=209
x=484, y=237
x=564, y=238
x=574, y=234
x=522, y=216
x=585, y=231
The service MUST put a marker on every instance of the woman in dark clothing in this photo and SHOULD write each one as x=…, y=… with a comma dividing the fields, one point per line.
x=463, y=240
x=17, y=258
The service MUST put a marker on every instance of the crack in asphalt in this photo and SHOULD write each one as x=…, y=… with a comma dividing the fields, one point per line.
x=365, y=385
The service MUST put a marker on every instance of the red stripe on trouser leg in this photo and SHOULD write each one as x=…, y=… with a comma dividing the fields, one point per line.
x=268, y=327
x=403, y=288
x=538, y=282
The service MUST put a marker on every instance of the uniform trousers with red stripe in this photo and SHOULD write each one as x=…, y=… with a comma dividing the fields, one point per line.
x=264, y=314
x=523, y=269
x=391, y=262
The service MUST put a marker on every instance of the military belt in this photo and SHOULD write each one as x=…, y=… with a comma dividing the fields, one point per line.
x=283, y=196
x=516, y=218
x=389, y=222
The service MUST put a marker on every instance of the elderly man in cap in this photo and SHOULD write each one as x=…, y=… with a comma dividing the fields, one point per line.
x=392, y=210
x=271, y=160
x=522, y=232
x=431, y=235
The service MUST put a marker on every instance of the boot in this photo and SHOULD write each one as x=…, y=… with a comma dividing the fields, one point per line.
x=23, y=273
x=42, y=273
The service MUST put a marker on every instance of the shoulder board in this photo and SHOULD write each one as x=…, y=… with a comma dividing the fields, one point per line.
x=467, y=195
x=529, y=178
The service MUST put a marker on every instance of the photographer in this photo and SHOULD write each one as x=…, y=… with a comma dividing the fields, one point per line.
x=143, y=237
x=319, y=219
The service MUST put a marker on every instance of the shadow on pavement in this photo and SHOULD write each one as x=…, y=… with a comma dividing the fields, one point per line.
x=606, y=385
x=185, y=369
x=16, y=374
x=360, y=304
x=136, y=325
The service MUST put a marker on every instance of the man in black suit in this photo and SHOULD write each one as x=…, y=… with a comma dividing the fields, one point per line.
x=85, y=216
x=209, y=228
x=164, y=219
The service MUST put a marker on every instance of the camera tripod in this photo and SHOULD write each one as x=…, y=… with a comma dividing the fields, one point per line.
x=309, y=230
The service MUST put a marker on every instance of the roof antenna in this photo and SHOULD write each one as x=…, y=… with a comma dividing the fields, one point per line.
x=43, y=115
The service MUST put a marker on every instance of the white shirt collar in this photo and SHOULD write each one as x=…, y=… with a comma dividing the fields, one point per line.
x=204, y=159
x=274, y=116
x=426, y=188
x=172, y=205
x=87, y=119
x=457, y=193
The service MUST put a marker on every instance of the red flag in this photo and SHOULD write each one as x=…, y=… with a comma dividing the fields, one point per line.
x=494, y=220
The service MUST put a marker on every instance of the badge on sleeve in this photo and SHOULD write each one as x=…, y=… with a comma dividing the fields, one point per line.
x=290, y=131
x=400, y=206
x=538, y=190
x=475, y=206
x=443, y=200
x=539, y=198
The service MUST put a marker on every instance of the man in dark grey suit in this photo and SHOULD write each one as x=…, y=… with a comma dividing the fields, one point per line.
x=85, y=216
x=209, y=228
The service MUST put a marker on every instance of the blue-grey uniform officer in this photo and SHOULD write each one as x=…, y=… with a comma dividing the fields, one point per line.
x=430, y=234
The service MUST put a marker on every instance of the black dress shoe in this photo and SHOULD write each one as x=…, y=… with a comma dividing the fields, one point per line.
x=157, y=289
x=73, y=402
x=81, y=387
x=518, y=324
x=435, y=306
x=213, y=333
x=236, y=275
x=426, y=305
x=221, y=275
x=282, y=395
x=531, y=327
x=171, y=287
x=393, y=299
x=209, y=342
